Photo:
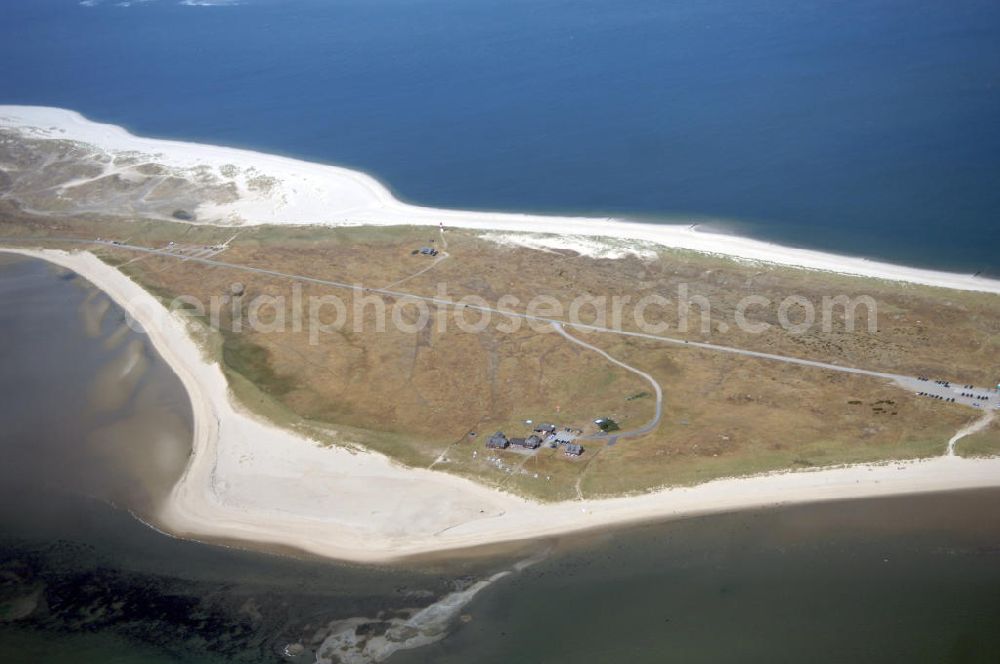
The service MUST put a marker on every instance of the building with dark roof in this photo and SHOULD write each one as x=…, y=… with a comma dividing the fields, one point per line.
x=531, y=442
x=497, y=441
x=573, y=449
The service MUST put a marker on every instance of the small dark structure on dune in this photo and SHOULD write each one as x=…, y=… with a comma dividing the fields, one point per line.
x=606, y=424
x=572, y=449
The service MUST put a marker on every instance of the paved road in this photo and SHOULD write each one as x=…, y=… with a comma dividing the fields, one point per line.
x=908, y=382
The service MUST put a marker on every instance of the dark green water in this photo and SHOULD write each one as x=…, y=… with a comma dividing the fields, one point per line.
x=912, y=579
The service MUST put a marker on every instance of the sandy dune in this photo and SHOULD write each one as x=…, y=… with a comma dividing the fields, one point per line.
x=300, y=192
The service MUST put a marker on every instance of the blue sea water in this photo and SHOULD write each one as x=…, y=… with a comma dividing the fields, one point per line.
x=866, y=127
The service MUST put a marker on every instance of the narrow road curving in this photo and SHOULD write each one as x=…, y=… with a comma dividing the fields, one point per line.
x=657, y=415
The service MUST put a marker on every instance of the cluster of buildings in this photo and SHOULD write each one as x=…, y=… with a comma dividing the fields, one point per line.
x=543, y=434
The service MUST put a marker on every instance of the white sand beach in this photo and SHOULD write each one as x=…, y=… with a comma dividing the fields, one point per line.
x=300, y=192
x=251, y=481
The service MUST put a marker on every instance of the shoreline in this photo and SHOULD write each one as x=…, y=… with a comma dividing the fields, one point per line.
x=307, y=193
x=250, y=481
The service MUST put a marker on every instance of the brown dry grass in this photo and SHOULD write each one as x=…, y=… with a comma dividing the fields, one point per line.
x=417, y=396
x=731, y=415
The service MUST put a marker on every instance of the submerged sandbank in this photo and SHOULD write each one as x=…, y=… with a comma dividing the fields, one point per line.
x=280, y=190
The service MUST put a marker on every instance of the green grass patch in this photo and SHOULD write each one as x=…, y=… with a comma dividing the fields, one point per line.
x=253, y=363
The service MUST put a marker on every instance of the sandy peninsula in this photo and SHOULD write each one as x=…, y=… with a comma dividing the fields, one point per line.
x=248, y=480
x=279, y=190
